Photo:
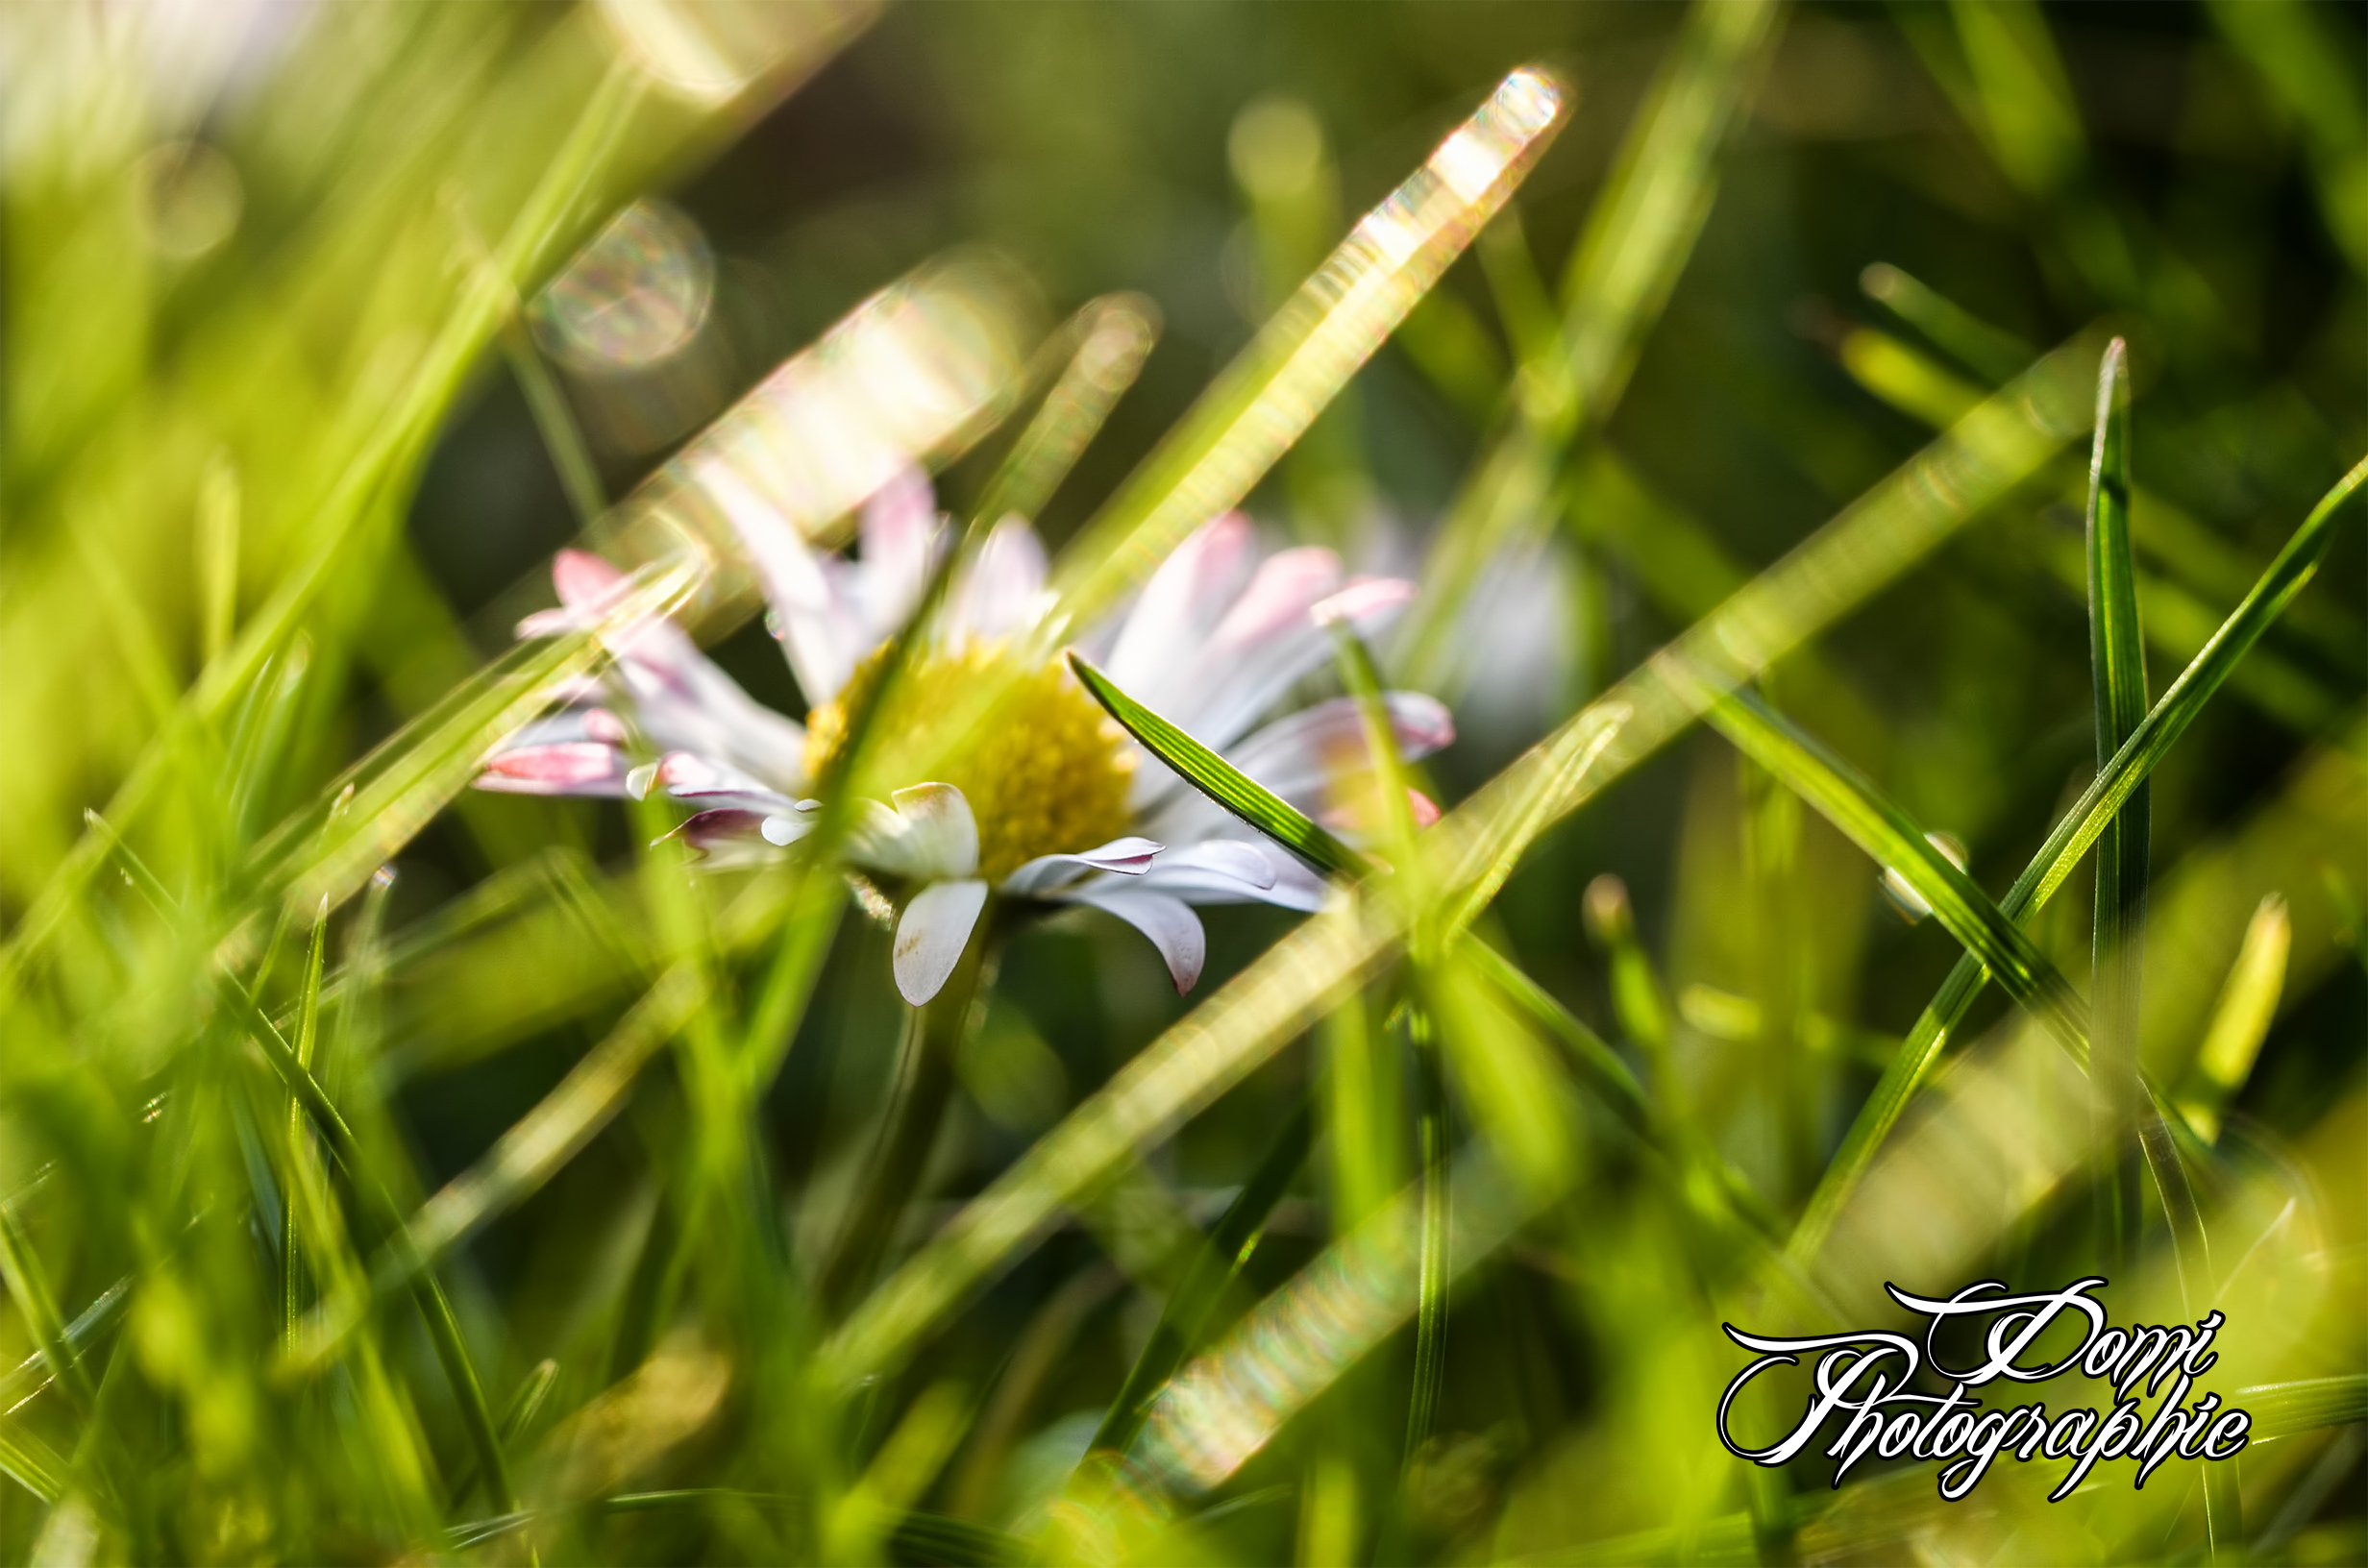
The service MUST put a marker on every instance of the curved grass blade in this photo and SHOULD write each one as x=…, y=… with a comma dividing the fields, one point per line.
x=1108, y=343
x=1184, y=1320
x=2283, y=1409
x=2287, y=575
x=1221, y=780
x=2117, y=668
x=1992, y=937
x=1639, y=233
x=1851, y=802
x=1265, y=400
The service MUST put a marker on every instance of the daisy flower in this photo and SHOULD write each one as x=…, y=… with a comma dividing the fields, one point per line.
x=1055, y=804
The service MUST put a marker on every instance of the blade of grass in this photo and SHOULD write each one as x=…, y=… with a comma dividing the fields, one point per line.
x=428, y=1293
x=1430, y=1369
x=1183, y=1322
x=2117, y=665
x=2079, y=828
x=1219, y=781
x=1108, y=341
x=1267, y=399
x=1639, y=233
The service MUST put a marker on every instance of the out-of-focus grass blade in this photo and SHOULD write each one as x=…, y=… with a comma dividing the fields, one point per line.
x=1184, y=1320
x=33, y=1373
x=1106, y=343
x=1991, y=353
x=1598, y=1063
x=2117, y=673
x=1225, y=1407
x=520, y=1160
x=1638, y=236
x=1479, y=844
x=2069, y=840
x=2240, y=1022
x=434, y=1307
x=32, y=1464
x=2283, y=1409
x=1431, y=1259
x=28, y=1283
x=1267, y=399
x=1851, y=803
x=2291, y=44
x=396, y=438
x=1219, y=781
x=399, y=787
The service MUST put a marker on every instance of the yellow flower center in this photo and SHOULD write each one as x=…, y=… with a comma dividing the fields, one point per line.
x=1047, y=774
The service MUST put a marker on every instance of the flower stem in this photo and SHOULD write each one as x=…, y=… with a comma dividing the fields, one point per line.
x=923, y=1089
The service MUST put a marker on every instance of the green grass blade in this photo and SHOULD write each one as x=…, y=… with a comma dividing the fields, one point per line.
x=1430, y=1369
x=28, y=1286
x=1640, y=234
x=1108, y=343
x=1850, y=802
x=2117, y=666
x=1221, y=780
x=1598, y=1063
x=1267, y=399
x=2169, y=718
x=1184, y=1321
x=2285, y=1409
x=434, y=1307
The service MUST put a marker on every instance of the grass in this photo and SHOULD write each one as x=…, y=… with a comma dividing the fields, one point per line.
x=391, y=1170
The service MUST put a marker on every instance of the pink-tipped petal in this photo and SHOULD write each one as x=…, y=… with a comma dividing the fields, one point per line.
x=820, y=626
x=688, y=777
x=567, y=768
x=930, y=934
x=725, y=837
x=899, y=532
x=1123, y=857
x=584, y=580
x=1170, y=924
x=1426, y=809
x=1180, y=605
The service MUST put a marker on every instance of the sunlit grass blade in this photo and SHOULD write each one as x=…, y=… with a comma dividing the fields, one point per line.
x=1638, y=236
x=28, y=1286
x=1221, y=782
x=2285, y=1409
x=1106, y=343
x=2117, y=666
x=2241, y=1020
x=399, y=787
x=1183, y=1322
x=1267, y=399
x=2069, y=840
x=1989, y=352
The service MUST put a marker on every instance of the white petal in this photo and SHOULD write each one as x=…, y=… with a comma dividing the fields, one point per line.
x=1228, y=876
x=1002, y=590
x=1180, y=605
x=931, y=934
x=688, y=777
x=929, y=835
x=1256, y=657
x=1173, y=927
x=899, y=534
x=816, y=619
x=786, y=828
x=1127, y=857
